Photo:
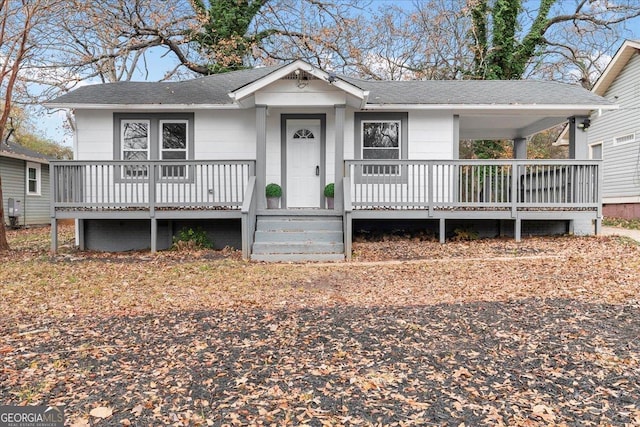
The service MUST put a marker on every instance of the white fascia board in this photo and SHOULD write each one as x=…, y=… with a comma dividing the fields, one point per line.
x=571, y=108
x=251, y=88
x=138, y=107
x=617, y=63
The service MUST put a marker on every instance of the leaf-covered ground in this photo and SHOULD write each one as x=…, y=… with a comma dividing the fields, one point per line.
x=491, y=332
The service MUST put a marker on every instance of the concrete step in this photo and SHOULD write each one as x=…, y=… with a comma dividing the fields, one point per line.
x=321, y=236
x=298, y=248
x=297, y=257
x=298, y=224
x=298, y=239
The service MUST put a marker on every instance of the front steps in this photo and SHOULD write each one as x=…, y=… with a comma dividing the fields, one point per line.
x=298, y=238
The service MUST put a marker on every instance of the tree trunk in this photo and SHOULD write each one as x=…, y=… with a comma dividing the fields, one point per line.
x=4, y=245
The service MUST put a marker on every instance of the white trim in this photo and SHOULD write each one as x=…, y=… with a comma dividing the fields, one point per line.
x=249, y=89
x=629, y=138
x=615, y=66
x=617, y=200
x=38, y=179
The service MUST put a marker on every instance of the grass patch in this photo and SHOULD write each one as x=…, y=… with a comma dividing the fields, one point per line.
x=631, y=224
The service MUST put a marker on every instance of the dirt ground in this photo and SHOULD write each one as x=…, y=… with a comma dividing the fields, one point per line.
x=412, y=332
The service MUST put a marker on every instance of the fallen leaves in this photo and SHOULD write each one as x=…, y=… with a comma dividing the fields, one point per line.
x=494, y=333
x=101, y=412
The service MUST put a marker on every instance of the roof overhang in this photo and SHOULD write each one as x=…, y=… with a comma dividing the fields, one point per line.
x=17, y=156
x=618, y=62
x=250, y=89
x=511, y=123
x=143, y=107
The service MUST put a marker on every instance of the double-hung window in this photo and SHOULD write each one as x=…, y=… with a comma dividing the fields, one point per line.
x=134, y=139
x=381, y=141
x=33, y=179
x=173, y=146
x=381, y=136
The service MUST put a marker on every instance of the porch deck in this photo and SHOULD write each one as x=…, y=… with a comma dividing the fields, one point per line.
x=371, y=189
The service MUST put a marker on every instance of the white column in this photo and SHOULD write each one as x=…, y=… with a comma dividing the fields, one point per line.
x=261, y=155
x=520, y=148
x=339, y=157
x=578, y=148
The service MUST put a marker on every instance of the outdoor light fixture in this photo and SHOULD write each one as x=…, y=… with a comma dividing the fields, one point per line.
x=584, y=124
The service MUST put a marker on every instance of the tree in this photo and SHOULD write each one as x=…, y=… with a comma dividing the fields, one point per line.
x=510, y=38
x=24, y=40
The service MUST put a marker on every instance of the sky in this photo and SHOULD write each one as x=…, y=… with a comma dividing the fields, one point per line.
x=51, y=124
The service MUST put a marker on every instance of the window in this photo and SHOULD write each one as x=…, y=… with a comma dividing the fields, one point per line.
x=33, y=179
x=381, y=136
x=303, y=134
x=624, y=139
x=140, y=137
x=595, y=151
x=380, y=141
x=173, y=146
x=135, y=145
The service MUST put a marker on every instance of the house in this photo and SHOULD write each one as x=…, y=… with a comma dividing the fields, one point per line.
x=25, y=185
x=154, y=158
x=614, y=136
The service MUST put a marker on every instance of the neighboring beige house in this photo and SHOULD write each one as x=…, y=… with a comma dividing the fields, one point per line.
x=153, y=158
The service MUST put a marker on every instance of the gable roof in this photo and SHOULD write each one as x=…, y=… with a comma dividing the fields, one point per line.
x=617, y=64
x=15, y=151
x=224, y=90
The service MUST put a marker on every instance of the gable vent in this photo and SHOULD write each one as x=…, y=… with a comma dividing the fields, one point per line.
x=302, y=76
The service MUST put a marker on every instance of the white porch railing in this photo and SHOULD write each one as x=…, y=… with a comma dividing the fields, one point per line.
x=118, y=185
x=474, y=184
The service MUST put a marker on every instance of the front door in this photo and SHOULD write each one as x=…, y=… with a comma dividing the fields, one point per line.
x=304, y=168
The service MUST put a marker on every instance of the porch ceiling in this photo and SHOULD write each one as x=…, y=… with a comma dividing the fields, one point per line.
x=508, y=126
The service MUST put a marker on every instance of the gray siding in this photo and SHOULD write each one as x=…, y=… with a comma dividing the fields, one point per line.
x=621, y=163
x=35, y=209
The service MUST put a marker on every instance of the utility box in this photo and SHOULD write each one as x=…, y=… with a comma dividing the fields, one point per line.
x=14, y=211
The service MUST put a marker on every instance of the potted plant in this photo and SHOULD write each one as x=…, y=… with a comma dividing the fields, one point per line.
x=273, y=193
x=329, y=193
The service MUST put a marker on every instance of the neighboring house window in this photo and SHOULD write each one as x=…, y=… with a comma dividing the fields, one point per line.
x=135, y=145
x=595, y=151
x=173, y=146
x=33, y=179
x=154, y=136
x=624, y=139
x=381, y=136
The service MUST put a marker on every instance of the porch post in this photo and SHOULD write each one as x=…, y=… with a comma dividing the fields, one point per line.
x=154, y=235
x=339, y=158
x=54, y=235
x=261, y=155
x=81, y=242
x=519, y=148
x=456, y=137
x=578, y=148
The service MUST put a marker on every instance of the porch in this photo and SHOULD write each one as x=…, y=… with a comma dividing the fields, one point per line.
x=515, y=190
